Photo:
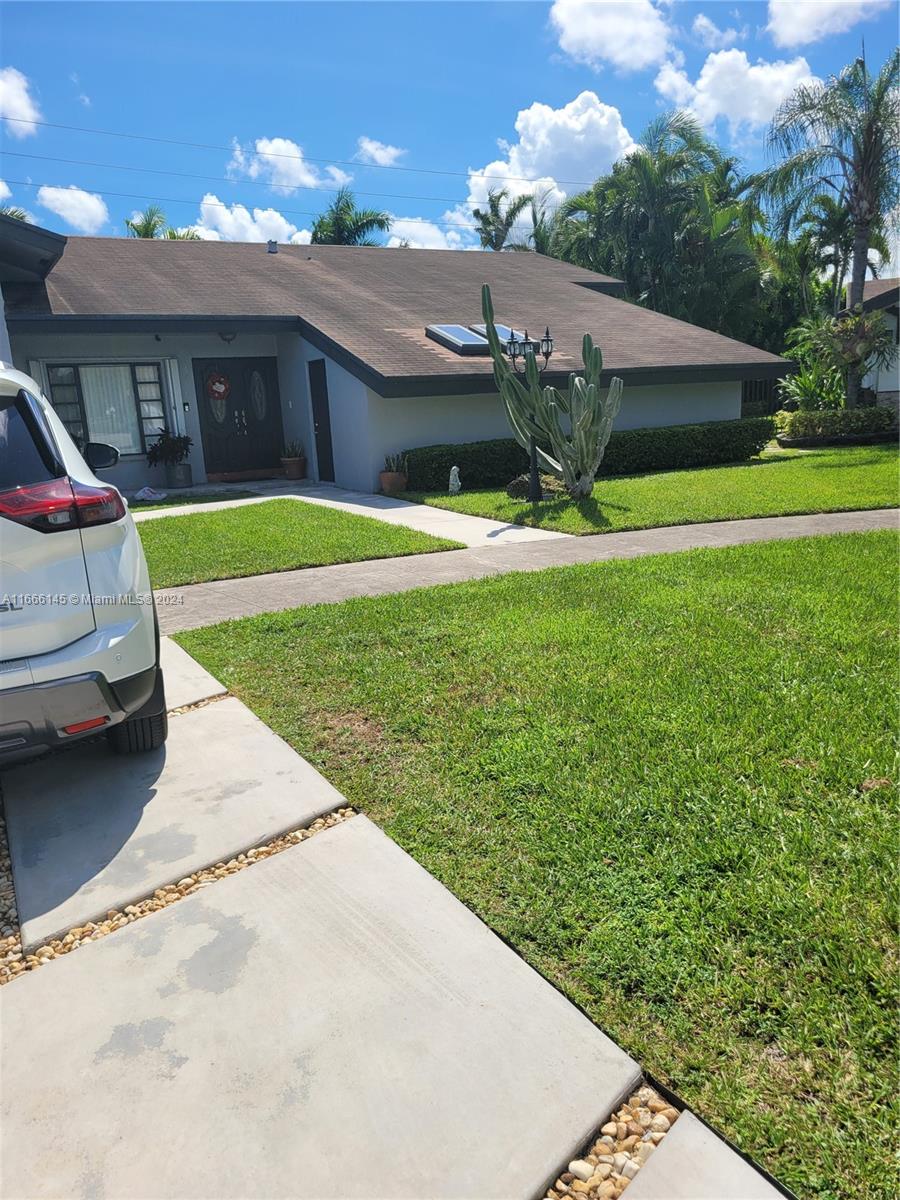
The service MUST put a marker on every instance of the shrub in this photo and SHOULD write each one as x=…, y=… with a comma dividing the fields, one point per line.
x=813, y=387
x=630, y=452
x=836, y=423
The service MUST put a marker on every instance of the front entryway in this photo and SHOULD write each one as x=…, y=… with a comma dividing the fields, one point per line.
x=240, y=417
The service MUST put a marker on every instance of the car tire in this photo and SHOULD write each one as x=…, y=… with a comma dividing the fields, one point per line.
x=139, y=734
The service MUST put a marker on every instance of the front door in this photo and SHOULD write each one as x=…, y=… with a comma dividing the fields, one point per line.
x=318, y=390
x=240, y=416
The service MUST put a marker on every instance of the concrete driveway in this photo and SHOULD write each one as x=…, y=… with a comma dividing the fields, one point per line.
x=328, y=1022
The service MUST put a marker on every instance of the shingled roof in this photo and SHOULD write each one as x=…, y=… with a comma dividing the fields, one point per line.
x=880, y=293
x=368, y=307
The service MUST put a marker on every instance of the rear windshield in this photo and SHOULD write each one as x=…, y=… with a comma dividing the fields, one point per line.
x=25, y=456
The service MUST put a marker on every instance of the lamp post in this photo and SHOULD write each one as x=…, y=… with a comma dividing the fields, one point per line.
x=517, y=349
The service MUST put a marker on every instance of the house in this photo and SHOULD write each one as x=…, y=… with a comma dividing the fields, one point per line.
x=884, y=295
x=244, y=346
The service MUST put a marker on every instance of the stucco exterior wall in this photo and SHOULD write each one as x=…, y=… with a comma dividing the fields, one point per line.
x=885, y=381
x=179, y=350
x=364, y=426
x=402, y=424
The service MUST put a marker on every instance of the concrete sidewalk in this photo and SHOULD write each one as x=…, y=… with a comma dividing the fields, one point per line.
x=208, y=603
x=471, y=531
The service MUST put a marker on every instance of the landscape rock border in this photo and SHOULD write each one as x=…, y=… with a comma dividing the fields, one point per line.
x=624, y=1143
x=13, y=960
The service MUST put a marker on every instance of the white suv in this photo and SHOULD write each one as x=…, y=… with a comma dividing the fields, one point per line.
x=79, y=641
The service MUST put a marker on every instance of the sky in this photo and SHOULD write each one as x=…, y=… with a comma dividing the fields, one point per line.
x=265, y=109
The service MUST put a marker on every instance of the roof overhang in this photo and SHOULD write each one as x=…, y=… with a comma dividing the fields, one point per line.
x=397, y=386
x=27, y=252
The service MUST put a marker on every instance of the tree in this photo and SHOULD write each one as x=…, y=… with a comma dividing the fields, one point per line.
x=343, y=224
x=842, y=136
x=496, y=221
x=672, y=219
x=13, y=210
x=544, y=223
x=828, y=225
x=151, y=223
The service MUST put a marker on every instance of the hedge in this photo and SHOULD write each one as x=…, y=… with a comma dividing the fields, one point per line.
x=630, y=452
x=834, y=422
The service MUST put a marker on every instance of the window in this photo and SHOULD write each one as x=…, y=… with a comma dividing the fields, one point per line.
x=25, y=456
x=118, y=403
x=457, y=338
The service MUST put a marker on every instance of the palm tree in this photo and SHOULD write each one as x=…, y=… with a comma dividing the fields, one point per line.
x=151, y=223
x=13, y=210
x=544, y=222
x=496, y=221
x=829, y=226
x=343, y=224
x=844, y=136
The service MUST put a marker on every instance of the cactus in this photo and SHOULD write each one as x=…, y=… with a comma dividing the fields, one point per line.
x=573, y=455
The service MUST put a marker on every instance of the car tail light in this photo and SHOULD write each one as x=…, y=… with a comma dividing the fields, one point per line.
x=61, y=504
x=97, y=505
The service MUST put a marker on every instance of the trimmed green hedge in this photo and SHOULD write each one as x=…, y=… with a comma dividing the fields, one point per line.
x=834, y=422
x=630, y=452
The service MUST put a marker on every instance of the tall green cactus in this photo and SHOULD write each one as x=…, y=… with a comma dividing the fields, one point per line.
x=535, y=411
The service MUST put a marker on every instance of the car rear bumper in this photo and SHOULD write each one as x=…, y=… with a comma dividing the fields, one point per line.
x=36, y=717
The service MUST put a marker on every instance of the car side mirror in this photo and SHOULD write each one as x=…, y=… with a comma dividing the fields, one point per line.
x=100, y=455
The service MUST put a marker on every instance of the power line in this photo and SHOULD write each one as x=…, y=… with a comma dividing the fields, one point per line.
x=340, y=162
x=307, y=187
x=218, y=204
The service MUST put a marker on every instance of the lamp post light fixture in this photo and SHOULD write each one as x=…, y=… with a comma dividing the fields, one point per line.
x=516, y=350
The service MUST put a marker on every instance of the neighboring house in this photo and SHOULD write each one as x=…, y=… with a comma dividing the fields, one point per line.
x=884, y=295
x=243, y=346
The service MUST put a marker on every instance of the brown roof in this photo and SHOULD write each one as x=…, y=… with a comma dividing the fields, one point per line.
x=879, y=293
x=369, y=306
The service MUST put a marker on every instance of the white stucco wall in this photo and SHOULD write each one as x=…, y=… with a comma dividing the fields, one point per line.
x=402, y=424
x=364, y=426
x=132, y=471
x=885, y=381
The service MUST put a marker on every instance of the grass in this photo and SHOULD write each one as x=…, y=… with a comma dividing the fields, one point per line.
x=193, y=498
x=665, y=781
x=279, y=535
x=776, y=484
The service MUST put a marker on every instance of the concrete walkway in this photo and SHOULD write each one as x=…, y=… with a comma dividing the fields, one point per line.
x=440, y=522
x=328, y=1022
x=208, y=603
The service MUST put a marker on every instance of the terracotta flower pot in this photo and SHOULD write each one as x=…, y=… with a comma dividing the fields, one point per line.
x=392, y=482
x=294, y=468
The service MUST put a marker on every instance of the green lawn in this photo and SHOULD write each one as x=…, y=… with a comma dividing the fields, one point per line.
x=276, y=536
x=665, y=781
x=780, y=482
x=193, y=498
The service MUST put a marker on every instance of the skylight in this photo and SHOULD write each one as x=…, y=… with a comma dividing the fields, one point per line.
x=458, y=338
x=504, y=333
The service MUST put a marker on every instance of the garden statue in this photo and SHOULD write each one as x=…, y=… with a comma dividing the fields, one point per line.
x=455, y=485
x=535, y=411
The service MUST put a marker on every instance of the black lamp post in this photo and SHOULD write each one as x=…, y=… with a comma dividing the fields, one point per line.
x=516, y=349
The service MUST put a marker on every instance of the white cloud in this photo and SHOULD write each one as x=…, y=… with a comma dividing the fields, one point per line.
x=746, y=94
x=17, y=102
x=558, y=149
x=84, y=211
x=792, y=23
x=630, y=34
x=372, y=151
x=425, y=235
x=235, y=223
x=83, y=98
x=5, y=193
x=714, y=38
x=280, y=162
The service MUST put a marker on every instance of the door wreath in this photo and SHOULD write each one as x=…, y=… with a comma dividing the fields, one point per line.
x=218, y=389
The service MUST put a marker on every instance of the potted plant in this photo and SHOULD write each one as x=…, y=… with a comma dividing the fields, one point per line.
x=293, y=459
x=172, y=450
x=393, y=477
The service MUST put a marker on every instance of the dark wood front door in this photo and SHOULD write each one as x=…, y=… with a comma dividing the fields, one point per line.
x=240, y=416
x=318, y=390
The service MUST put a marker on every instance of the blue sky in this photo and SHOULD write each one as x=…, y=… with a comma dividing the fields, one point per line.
x=295, y=98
